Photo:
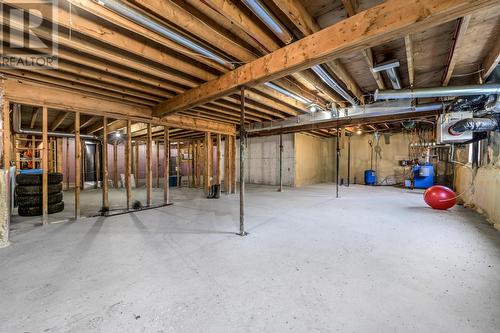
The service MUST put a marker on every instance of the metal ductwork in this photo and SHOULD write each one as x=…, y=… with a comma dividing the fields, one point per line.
x=358, y=111
x=262, y=12
x=16, y=124
x=480, y=89
x=326, y=78
x=493, y=105
x=489, y=123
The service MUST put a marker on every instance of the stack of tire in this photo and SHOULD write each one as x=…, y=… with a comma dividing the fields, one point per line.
x=29, y=194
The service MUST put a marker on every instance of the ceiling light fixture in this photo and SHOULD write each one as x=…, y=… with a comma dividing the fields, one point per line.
x=174, y=36
x=287, y=93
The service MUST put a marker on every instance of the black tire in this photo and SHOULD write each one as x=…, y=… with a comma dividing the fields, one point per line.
x=36, y=200
x=35, y=211
x=36, y=179
x=28, y=190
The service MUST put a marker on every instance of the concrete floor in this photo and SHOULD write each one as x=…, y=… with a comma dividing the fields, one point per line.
x=91, y=204
x=376, y=260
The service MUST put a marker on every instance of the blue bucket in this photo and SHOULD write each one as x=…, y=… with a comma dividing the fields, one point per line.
x=370, y=177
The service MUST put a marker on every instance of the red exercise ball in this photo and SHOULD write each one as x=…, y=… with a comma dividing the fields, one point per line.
x=440, y=197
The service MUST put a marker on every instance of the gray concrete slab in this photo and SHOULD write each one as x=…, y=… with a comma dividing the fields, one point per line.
x=376, y=260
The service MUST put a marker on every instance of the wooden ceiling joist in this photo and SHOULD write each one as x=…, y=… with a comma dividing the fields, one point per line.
x=350, y=8
x=388, y=21
x=108, y=15
x=101, y=33
x=409, y=60
x=61, y=116
x=458, y=38
x=368, y=55
x=239, y=18
x=177, y=15
x=306, y=24
x=491, y=60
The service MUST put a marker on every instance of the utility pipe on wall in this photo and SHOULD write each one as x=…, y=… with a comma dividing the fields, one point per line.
x=16, y=126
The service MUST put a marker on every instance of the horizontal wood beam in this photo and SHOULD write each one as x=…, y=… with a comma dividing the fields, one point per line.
x=70, y=101
x=391, y=20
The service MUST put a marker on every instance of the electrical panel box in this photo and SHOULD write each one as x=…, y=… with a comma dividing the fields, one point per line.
x=444, y=123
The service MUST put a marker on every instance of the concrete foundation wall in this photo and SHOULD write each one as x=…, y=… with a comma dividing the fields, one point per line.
x=481, y=189
x=314, y=159
x=385, y=163
x=262, y=160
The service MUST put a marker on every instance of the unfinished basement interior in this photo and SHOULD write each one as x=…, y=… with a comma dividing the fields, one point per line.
x=250, y=166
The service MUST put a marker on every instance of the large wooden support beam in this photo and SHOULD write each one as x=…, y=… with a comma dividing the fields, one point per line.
x=377, y=25
x=71, y=101
x=78, y=164
x=166, y=165
x=105, y=200
x=128, y=165
x=149, y=168
x=45, y=166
